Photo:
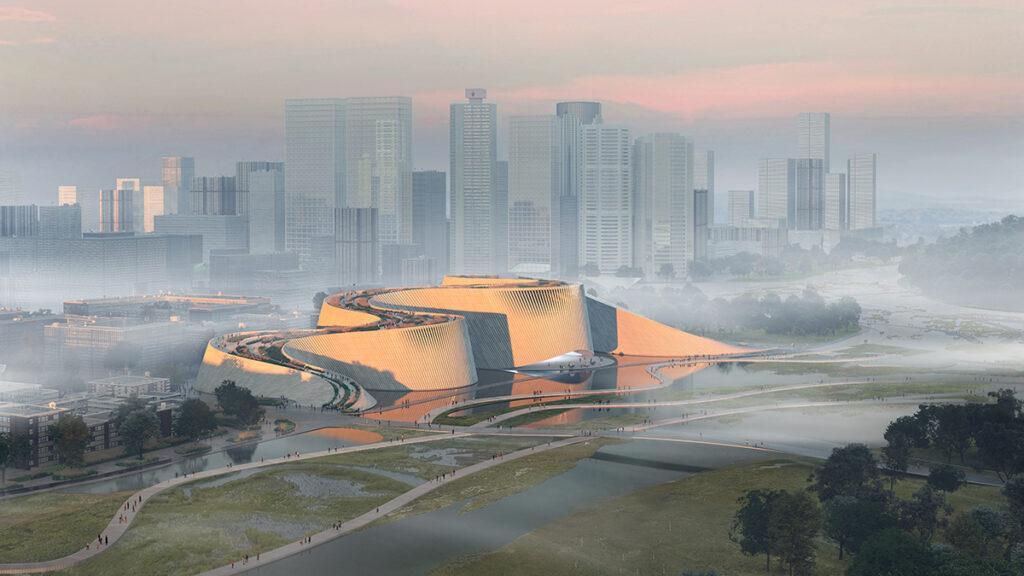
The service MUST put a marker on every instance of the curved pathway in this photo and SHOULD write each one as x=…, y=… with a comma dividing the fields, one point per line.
x=118, y=526
x=384, y=509
x=664, y=403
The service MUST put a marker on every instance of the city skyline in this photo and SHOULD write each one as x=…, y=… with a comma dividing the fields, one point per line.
x=736, y=100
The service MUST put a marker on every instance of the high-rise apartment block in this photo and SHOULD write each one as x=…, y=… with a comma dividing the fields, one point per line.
x=835, y=202
x=776, y=186
x=806, y=208
x=663, y=204
x=704, y=178
x=605, y=197
x=315, y=179
x=176, y=174
x=532, y=193
x=741, y=207
x=429, y=217
x=473, y=141
x=814, y=135
x=862, y=191
x=570, y=118
x=262, y=186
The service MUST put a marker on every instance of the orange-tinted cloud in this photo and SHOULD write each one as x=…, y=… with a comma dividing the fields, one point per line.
x=21, y=14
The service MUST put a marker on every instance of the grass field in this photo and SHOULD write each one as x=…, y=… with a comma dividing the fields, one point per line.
x=209, y=523
x=666, y=529
x=504, y=480
x=51, y=525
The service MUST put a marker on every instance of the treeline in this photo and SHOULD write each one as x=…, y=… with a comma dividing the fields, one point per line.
x=796, y=260
x=803, y=314
x=848, y=503
x=980, y=266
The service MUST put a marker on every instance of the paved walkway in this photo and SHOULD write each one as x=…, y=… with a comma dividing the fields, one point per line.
x=384, y=509
x=121, y=521
x=664, y=403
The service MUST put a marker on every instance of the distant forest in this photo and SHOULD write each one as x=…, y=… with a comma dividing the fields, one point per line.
x=981, y=266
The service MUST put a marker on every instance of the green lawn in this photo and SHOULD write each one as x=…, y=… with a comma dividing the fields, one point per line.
x=50, y=525
x=195, y=527
x=504, y=480
x=666, y=529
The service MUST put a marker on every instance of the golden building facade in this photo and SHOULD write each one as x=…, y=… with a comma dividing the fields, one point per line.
x=435, y=338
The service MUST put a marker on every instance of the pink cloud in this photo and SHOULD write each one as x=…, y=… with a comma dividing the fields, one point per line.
x=21, y=14
x=781, y=89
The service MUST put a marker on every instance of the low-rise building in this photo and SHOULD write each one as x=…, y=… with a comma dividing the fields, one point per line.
x=126, y=386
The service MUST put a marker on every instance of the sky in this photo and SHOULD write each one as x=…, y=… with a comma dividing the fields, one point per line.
x=91, y=90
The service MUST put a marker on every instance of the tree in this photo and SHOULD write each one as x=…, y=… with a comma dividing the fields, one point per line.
x=849, y=471
x=792, y=529
x=892, y=552
x=951, y=432
x=913, y=428
x=135, y=428
x=896, y=457
x=850, y=521
x=21, y=449
x=590, y=269
x=318, y=300
x=1014, y=493
x=946, y=478
x=6, y=456
x=238, y=402
x=966, y=535
x=195, y=420
x=751, y=522
x=70, y=437
x=667, y=271
x=925, y=512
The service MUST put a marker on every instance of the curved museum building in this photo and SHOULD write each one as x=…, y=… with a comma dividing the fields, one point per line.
x=435, y=338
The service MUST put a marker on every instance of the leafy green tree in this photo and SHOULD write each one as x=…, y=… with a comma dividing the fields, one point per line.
x=966, y=535
x=667, y=271
x=135, y=428
x=896, y=457
x=21, y=448
x=893, y=552
x=318, y=300
x=750, y=527
x=952, y=430
x=946, y=478
x=238, y=402
x=913, y=428
x=849, y=521
x=925, y=512
x=849, y=471
x=70, y=437
x=6, y=455
x=195, y=420
x=793, y=528
x=590, y=269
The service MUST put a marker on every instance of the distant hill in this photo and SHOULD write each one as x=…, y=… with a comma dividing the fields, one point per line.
x=981, y=266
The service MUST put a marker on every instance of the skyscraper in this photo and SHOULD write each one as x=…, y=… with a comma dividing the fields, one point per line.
x=315, y=179
x=741, y=207
x=814, y=134
x=10, y=188
x=153, y=205
x=116, y=212
x=862, y=191
x=67, y=195
x=835, y=202
x=357, y=248
x=704, y=178
x=776, y=185
x=177, y=173
x=605, y=200
x=807, y=206
x=570, y=117
x=216, y=196
x=473, y=158
x=262, y=185
x=532, y=192
x=663, y=204
x=378, y=157
x=429, y=217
